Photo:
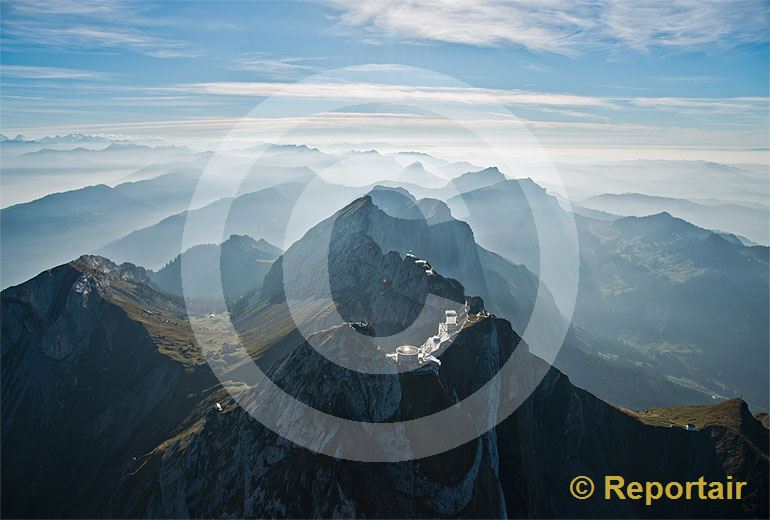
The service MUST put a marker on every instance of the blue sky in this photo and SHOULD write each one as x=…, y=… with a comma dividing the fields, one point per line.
x=688, y=77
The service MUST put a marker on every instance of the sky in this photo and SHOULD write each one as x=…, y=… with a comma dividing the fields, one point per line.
x=589, y=80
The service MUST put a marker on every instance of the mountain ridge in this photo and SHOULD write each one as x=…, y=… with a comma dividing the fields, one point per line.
x=203, y=462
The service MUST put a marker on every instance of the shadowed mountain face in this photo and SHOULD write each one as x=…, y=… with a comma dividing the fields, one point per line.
x=737, y=436
x=97, y=368
x=670, y=297
x=396, y=222
x=102, y=376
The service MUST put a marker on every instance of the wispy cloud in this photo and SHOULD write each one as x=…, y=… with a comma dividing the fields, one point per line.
x=756, y=106
x=704, y=78
x=686, y=24
x=560, y=26
x=287, y=67
x=484, y=23
x=739, y=110
x=380, y=67
x=536, y=67
x=30, y=72
x=380, y=92
x=84, y=25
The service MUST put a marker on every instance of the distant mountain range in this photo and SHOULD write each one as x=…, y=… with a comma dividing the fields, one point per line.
x=67, y=138
x=748, y=222
x=32, y=170
x=264, y=213
x=692, y=304
x=691, y=180
x=259, y=212
x=56, y=228
x=685, y=302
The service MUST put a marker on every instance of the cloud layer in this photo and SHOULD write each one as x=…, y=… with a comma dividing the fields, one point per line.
x=560, y=26
x=752, y=108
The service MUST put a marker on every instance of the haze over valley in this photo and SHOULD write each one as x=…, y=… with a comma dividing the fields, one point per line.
x=394, y=259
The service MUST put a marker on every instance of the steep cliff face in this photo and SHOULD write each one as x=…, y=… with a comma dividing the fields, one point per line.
x=366, y=285
x=97, y=369
x=560, y=432
x=393, y=220
x=227, y=461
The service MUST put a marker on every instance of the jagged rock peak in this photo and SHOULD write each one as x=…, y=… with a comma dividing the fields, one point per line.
x=101, y=266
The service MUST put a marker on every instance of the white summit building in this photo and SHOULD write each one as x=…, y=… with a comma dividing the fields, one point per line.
x=409, y=356
x=449, y=325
